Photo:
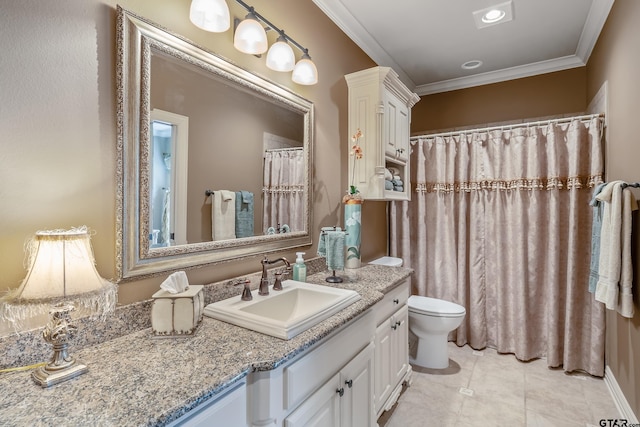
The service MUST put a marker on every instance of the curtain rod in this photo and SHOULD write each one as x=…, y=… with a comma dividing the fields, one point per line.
x=586, y=117
x=284, y=149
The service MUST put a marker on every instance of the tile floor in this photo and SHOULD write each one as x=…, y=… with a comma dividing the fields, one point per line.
x=490, y=389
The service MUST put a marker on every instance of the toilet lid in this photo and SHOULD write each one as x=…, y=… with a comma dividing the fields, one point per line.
x=434, y=306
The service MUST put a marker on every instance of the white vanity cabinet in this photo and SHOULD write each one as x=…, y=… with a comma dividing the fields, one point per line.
x=391, y=358
x=229, y=409
x=330, y=385
x=380, y=106
x=344, y=400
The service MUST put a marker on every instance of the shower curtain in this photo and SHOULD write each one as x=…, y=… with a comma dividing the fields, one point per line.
x=283, y=189
x=500, y=223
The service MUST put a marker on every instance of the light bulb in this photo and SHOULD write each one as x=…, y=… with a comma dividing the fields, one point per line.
x=305, y=71
x=250, y=37
x=280, y=56
x=210, y=15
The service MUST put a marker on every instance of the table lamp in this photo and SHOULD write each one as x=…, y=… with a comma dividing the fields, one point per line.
x=61, y=273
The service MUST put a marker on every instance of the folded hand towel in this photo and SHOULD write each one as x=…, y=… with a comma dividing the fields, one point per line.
x=387, y=174
x=596, y=226
x=615, y=269
x=398, y=188
x=244, y=214
x=223, y=215
x=388, y=185
x=322, y=244
x=335, y=250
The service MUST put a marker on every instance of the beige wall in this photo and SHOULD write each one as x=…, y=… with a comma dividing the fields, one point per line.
x=545, y=95
x=58, y=115
x=615, y=60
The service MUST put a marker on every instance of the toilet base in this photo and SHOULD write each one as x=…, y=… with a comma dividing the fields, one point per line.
x=432, y=352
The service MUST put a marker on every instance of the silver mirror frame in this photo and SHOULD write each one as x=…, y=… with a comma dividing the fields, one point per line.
x=136, y=36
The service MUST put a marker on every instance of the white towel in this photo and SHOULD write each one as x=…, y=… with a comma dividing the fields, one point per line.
x=223, y=215
x=615, y=270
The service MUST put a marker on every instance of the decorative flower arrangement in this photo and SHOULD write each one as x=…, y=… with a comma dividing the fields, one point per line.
x=356, y=153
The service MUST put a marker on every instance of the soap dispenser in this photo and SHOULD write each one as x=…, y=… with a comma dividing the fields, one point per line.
x=299, y=268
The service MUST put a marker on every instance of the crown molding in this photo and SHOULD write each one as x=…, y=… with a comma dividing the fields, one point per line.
x=596, y=19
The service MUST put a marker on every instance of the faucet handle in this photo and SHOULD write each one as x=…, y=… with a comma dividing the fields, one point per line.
x=277, y=284
x=246, y=292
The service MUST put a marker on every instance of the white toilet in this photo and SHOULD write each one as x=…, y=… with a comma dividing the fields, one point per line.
x=430, y=320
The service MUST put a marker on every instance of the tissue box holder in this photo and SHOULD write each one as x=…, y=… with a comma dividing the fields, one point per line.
x=177, y=315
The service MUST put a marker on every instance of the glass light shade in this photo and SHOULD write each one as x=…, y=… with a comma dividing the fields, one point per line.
x=305, y=71
x=210, y=15
x=250, y=37
x=280, y=56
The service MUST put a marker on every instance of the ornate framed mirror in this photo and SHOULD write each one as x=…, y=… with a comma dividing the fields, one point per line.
x=196, y=135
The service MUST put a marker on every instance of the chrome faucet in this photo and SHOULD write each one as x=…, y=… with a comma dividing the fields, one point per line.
x=264, y=281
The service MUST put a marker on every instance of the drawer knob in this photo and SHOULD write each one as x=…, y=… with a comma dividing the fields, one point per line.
x=396, y=301
x=340, y=391
x=349, y=383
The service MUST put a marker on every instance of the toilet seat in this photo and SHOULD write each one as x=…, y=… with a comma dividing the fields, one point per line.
x=434, y=307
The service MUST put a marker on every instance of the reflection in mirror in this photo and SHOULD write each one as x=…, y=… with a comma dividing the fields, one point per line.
x=214, y=159
x=169, y=166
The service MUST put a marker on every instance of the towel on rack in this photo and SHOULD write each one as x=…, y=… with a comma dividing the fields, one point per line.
x=223, y=215
x=244, y=214
x=596, y=227
x=322, y=244
x=615, y=269
x=332, y=246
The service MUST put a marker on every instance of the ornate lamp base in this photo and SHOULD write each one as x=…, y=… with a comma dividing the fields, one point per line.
x=47, y=378
x=58, y=332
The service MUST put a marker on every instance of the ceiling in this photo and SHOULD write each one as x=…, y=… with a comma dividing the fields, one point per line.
x=427, y=41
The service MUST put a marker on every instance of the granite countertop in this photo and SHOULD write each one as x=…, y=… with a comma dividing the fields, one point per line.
x=136, y=380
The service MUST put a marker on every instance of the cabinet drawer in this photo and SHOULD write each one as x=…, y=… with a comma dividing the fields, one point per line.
x=392, y=301
x=307, y=374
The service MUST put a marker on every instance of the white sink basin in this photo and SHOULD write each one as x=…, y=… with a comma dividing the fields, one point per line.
x=286, y=313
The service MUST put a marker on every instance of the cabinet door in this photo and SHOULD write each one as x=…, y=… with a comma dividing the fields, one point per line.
x=321, y=409
x=391, y=124
x=357, y=400
x=382, y=364
x=230, y=410
x=402, y=136
x=399, y=345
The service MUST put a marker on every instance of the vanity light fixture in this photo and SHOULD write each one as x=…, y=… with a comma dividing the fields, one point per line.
x=493, y=15
x=305, y=71
x=61, y=272
x=280, y=56
x=210, y=15
x=250, y=37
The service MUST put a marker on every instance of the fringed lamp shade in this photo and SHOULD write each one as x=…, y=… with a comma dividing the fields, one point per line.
x=61, y=268
x=61, y=273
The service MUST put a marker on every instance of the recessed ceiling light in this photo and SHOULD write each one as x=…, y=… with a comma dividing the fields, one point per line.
x=471, y=65
x=493, y=15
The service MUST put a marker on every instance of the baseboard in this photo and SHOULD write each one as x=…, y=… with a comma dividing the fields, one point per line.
x=618, y=397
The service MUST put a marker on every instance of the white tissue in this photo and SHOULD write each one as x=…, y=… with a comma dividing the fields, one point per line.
x=176, y=282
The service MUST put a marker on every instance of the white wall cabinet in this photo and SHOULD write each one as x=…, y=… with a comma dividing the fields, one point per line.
x=380, y=106
x=391, y=358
